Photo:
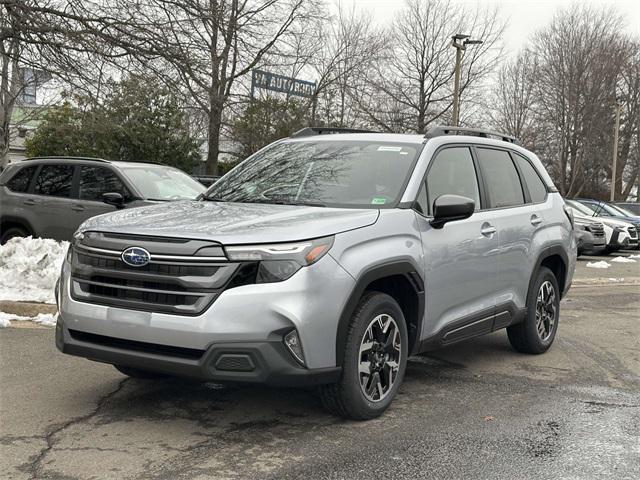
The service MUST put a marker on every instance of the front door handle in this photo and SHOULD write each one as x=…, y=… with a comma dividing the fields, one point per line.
x=78, y=208
x=535, y=220
x=29, y=201
x=488, y=229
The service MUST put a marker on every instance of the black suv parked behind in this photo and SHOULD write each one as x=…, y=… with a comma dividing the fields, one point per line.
x=51, y=197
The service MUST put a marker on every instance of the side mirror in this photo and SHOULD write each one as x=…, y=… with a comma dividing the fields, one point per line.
x=448, y=208
x=113, y=198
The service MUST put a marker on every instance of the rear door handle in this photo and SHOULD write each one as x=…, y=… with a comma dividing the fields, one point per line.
x=488, y=229
x=29, y=201
x=78, y=208
x=535, y=220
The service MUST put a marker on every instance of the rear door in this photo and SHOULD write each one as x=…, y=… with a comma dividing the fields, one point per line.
x=51, y=201
x=520, y=223
x=460, y=258
x=93, y=182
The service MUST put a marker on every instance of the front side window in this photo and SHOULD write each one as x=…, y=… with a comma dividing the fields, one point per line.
x=501, y=177
x=54, y=180
x=96, y=181
x=21, y=180
x=364, y=174
x=157, y=182
x=452, y=172
x=537, y=189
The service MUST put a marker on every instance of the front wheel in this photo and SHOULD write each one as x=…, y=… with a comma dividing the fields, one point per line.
x=375, y=360
x=537, y=332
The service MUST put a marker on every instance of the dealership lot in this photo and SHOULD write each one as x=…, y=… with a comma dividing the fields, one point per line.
x=475, y=410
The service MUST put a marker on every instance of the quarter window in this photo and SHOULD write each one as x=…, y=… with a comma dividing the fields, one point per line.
x=452, y=172
x=21, y=180
x=54, y=180
x=95, y=181
x=501, y=178
x=537, y=189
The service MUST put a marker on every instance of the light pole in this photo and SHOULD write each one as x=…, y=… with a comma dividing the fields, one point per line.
x=614, y=160
x=459, y=41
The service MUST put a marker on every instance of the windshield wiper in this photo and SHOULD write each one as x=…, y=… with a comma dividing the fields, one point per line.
x=215, y=199
x=282, y=202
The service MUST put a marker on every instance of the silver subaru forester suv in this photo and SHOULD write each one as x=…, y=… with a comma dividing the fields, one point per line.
x=326, y=259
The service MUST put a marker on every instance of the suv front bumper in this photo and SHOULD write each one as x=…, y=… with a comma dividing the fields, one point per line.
x=246, y=323
x=266, y=362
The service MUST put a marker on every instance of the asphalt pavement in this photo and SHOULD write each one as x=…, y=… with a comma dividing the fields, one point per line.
x=473, y=410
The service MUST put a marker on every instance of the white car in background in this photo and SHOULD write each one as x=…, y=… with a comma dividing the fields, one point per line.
x=618, y=234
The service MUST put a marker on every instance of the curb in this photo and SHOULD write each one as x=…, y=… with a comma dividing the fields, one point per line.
x=26, y=309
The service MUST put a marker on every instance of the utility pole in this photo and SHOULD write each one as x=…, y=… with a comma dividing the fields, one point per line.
x=459, y=41
x=614, y=160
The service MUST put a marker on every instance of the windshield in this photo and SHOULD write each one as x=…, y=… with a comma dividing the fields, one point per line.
x=583, y=209
x=339, y=174
x=622, y=211
x=163, y=183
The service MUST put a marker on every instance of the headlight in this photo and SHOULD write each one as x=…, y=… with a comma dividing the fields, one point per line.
x=78, y=236
x=279, y=261
x=581, y=226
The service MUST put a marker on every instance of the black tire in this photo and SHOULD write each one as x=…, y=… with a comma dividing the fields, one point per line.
x=12, y=232
x=526, y=337
x=141, y=374
x=347, y=397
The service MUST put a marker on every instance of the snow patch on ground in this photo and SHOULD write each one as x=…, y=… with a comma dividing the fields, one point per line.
x=601, y=264
x=47, y=319
x=623, y=260
x=616, y=280
x=634, y=256
x=29, y=268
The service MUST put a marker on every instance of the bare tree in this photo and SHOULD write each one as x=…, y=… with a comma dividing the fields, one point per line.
x=579, y=55
x=204, y=46
x=415, y=76
x=513, y=102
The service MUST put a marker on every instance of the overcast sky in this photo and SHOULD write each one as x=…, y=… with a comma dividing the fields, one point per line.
x=523, y=17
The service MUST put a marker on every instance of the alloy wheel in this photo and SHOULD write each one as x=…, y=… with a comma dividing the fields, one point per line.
x=379, y=357
x=546, y=310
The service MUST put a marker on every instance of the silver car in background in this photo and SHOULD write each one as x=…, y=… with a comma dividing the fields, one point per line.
x=326, y=259
x=51, y=197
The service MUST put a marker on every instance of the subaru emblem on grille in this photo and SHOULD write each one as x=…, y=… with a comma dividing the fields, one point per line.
x=136, y=256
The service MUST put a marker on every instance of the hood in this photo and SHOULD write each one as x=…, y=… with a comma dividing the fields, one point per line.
x=583, y=219
x=232, y=223
x=614, y=222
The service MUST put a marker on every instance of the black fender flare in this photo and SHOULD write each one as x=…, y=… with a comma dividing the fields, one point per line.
x=19, y=221
x=542, y=256
x=396, y=267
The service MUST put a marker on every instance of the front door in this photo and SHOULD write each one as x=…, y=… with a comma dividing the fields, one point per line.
x=461, y=262
x=51, y=201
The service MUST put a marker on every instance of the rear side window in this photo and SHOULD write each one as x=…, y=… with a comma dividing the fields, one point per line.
x=501, y=178
x=54, y=180
x=537, y=189
x=95, y=181
x=452, y=172
x=20, y=181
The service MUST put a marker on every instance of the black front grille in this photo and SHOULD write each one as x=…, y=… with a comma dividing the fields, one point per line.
x=180, y=284
x=597, y=229
x=633, y=233
x=136, y=346
x=115, y=263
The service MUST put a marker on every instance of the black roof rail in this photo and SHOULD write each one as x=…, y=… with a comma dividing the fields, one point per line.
x=449, y=130
x=64, y=157
x=309, y=131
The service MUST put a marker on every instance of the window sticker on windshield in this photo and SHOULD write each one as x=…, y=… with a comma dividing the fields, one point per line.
x=389, y=149
x=378, y=201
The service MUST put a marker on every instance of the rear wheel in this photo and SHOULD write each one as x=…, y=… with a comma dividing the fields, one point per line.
x=537, y=332
x=374, y=363
x=12, y=232
x=141, y=374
